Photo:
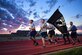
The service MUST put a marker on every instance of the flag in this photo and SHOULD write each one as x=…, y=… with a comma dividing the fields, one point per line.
x=58, y=21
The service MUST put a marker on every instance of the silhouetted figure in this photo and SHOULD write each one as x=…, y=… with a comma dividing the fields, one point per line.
x=51, y=34
x=73, y=30
x=66, y=36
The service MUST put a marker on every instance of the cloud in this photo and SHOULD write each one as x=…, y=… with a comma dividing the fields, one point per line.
x=51, y=3
x=36, y=15
x=70, y=1
x=46, y=11
x=77, y=16
x=5, y=13
x=29, y=12
x=10, y=26
x=32, y=3
x=4, y=29
x=10, y=13
x=79, y=27
x=4, y=24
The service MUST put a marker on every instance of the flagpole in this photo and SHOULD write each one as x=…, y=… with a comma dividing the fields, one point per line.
x=58, y=7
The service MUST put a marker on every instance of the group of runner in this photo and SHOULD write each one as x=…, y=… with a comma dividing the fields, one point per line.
x=43, y=32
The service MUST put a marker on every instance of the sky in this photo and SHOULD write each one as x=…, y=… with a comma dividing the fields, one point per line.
x=38, y=9
x=69, y=8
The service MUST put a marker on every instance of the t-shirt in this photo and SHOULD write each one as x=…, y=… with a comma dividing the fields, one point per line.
x=51, y=27
x=31, y=26
x=73, y=28
x=44, y=27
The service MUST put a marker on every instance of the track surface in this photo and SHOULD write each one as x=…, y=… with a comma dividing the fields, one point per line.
x=26, y=47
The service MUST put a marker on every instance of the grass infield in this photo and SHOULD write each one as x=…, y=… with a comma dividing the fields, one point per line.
x=73, y=51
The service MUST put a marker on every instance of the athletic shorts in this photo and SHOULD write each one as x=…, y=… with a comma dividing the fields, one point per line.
x=44, y=34
x=51, y=32
x=33, y=33
x=74, y=34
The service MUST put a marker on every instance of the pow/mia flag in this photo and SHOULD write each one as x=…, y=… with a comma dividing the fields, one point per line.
x=58, y=21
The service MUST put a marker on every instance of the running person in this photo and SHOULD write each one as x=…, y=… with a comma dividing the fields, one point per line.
x=73, y=30
x=43, y=29
x=32, y=32
x=51, y=33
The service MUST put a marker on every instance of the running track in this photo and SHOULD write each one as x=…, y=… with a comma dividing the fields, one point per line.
x=26, y=47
